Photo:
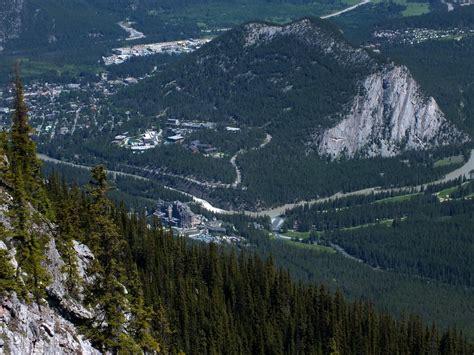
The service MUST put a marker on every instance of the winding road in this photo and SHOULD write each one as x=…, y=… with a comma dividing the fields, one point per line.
x=233, y=160
x=212, y=185
x=133, y=34
x=350, y=8
x=273, y=213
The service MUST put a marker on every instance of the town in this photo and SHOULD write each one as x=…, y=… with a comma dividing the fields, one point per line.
x=120, y=55
x=58, y=109
x=420, y=35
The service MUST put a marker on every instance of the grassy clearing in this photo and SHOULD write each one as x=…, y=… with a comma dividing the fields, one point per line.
x=315, y=247
x=385, y=222
x=416, y=9
x=299, y=235
x=444, y=194
x=33, y=69
x=212, y=15
x=457, y=159
x=411, y=8
x=397, y=199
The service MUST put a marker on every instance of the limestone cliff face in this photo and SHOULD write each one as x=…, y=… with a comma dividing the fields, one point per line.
x=388, y=116
x=49, y=329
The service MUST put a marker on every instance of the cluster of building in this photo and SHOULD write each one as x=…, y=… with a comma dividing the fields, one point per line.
x=147, y=140
x=464, y=2
x=418, y=35
x=196, y=146
x=179, y=129
x=57, y=109
x=184, y=222
x=121, y=55
x=179, y=126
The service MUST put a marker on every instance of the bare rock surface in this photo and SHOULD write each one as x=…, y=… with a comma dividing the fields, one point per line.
x=49, y=328
x=388, y=116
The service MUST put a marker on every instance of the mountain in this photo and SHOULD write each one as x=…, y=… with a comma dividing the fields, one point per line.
x=29, y=25
x=79, y=274
x=301, y=80
x=10, y=20
x=198, y=298
x=390, y=114
x=29, y=328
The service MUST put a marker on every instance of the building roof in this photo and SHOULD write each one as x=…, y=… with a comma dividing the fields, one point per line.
x=176, y=137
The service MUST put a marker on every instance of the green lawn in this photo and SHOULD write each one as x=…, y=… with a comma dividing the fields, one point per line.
x=444, y=194
x=299, y=235
x=416, y=9
x=457, y=159
x=397, y=199
x=411, y=8
x=385, y=222
x=316, y=247
x=212, y=16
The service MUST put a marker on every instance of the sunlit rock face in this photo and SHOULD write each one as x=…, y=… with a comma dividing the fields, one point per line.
x=388, y=116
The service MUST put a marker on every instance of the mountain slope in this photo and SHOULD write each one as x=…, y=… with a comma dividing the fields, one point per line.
x=10, y=20
x=26, y=327
x=53, y=24
x=389, y=115
x=305, y=81
x=260, y=73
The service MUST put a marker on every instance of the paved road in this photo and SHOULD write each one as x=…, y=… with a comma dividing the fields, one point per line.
x=273, y=213
x=214, y=184
x=112, y=172
x=233, y=160
x=133, y=34
x=346, y=9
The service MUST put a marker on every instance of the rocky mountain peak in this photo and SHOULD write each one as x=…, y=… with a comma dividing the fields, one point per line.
x=390, y=114
x=313, y=32
x=305, y=80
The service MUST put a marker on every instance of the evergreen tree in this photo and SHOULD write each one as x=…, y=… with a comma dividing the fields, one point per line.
x=140, y=327
x=107, y=295
x=25, y=167
x=7, y=271
x=67, y=206
x=24, y=176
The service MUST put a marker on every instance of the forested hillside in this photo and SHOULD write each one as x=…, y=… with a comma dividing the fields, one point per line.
x=441, y=60
x=146, y=290
x=426, y=234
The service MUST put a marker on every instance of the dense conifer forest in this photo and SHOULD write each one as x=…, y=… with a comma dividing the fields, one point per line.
x=153, y=292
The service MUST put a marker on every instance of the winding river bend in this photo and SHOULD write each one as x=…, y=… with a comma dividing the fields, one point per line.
x=463, y=171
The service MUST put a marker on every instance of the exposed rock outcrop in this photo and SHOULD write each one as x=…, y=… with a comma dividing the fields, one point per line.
x=26, y=328
x=312, y=33
x=389, y=115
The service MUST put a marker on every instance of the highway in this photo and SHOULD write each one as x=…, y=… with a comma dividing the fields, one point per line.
x=350, y=8
x=275, y=212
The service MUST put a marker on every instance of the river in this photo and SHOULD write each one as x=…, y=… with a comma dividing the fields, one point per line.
x=463, y=171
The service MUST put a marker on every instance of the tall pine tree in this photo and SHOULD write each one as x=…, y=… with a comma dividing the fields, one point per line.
x=24, y=177
x=107, y=295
